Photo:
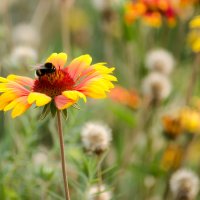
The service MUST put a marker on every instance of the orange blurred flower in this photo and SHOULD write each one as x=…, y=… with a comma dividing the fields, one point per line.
x=126, y=97
x=185, y=3
x=133, y=11
x=151, y=11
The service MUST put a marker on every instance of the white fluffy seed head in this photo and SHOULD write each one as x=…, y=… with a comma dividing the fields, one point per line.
x=99, y=4
x=156, y=86
x=23, y=56
x=149, y=181
x=184, y=184
x=99, y=193
x=160, y=60
x=96, y=137
x=40, y=158
x=26, y=34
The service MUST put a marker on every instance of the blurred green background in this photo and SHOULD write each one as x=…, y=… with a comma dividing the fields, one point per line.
x=141, y=159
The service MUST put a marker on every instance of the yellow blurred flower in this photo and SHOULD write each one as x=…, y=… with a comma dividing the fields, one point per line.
x=195, y=102
x=195, y=22
x=153, y=19
x=190, y=120
x=194, y=34
x=172, y=157
x=77, y=20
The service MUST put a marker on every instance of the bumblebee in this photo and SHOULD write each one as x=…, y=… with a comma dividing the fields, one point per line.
x=47, y=68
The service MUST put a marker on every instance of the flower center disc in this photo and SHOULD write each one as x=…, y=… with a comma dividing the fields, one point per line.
x=53, y=84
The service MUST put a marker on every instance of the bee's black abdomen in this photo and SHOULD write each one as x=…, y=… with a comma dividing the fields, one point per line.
x=40, y=72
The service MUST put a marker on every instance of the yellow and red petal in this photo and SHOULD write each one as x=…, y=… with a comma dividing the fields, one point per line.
x=3, y=104
x=22, y=80
x=9, y=101
x=20, y=107
x=94, y=92
x=10, y=86
x=6, y=98
x=74, y=95
x=38, y=98
x=78, y=66
x=57, y=59
x=103, y=69
x=13, y=103
x=62, y=102
x=14, y=94
x=3, y=80
x=14, y=88
x=68, y=98
x=99, y=82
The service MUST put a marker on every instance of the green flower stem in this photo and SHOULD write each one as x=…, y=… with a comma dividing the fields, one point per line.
x=100, y=158
x=193, y=78
x=62, y=152
x=99, y=174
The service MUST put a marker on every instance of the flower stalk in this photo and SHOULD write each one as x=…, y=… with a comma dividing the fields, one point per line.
x=99, y=173
x=193, y=78
x=62, y=152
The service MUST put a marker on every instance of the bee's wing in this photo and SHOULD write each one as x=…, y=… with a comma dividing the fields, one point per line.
x=36, y=67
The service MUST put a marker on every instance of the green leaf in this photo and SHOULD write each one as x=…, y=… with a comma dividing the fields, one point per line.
x=45, y=111
x=2, y=192
x=65, y=114
x=53, y=109
x=124, y=114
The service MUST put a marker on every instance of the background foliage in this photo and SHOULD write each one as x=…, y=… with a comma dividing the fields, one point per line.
x=135, y=167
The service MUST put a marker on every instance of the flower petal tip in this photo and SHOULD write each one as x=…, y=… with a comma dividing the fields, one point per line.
x=39, y=99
